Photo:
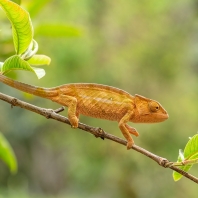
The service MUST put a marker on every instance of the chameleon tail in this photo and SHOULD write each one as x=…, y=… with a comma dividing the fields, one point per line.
x=38, y=91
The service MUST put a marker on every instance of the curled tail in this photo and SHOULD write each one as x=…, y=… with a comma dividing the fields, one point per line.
x=38, y=91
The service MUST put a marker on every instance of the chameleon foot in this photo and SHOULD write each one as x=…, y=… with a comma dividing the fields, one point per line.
x=73, y=121
x=74, y=125
x=130, y=144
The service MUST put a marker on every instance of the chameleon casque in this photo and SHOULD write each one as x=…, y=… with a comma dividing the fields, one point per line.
x=99, y=101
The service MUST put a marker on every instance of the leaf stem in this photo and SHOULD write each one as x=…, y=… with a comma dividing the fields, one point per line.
x=186, y=162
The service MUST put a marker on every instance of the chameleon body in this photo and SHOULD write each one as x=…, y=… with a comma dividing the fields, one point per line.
x=99, y=101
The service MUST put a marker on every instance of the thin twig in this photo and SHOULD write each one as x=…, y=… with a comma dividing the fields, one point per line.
x=97, y=132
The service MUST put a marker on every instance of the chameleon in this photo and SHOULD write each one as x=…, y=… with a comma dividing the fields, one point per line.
x=99, y=101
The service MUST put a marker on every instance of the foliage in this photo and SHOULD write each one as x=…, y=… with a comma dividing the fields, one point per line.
x=7, y=154
x=25, y=46
x=187, y=158
x=22, y=29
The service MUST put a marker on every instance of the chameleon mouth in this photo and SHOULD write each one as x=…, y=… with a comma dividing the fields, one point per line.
x=163, y=117
x=156, y=118
x=166, y=116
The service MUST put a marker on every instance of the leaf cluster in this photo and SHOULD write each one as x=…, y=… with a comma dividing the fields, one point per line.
x=25, y=46
x=188, y=157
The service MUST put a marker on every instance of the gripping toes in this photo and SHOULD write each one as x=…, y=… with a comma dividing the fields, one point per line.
x=73, y=121
x=130, y=144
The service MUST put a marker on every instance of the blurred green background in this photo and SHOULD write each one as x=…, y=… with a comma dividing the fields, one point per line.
x=148, y=47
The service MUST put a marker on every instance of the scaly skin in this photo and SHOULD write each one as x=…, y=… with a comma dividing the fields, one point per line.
x=99, y=101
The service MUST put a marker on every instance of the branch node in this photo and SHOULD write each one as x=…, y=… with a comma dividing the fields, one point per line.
x=99, y=132
x=59, y=109
x=47, y=113
x=169, y=164
x=13, y=102
x=163, y=162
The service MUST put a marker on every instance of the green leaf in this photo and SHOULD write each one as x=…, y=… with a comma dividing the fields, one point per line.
x=190, y=153
x=17, y=63
x=39, y=60
x=177, y=176
x=22, y=28
x=58, y=30
x=7, y=154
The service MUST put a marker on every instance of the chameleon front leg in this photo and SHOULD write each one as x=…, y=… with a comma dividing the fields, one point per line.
x=73, y=116
x=127, y=130
x=71, y=103
x=132, y=130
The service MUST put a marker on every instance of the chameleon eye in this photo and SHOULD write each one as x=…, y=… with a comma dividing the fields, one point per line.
x=154, y=106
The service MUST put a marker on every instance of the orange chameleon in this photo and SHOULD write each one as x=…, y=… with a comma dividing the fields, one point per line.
x=99, y=101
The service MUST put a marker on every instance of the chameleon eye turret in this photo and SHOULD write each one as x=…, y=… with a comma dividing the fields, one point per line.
x=154, y=106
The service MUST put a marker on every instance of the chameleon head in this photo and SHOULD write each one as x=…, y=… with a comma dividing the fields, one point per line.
x=148, y=111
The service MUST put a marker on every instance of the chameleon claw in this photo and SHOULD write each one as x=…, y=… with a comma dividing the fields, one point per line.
x=130, y=144
x=74, y=126
x=73, y=122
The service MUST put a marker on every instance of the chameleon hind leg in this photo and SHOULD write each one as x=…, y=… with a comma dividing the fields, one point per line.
x=127, y=130
x=71, y=103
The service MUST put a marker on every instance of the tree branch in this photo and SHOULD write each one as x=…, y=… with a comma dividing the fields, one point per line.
x=97, y=132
